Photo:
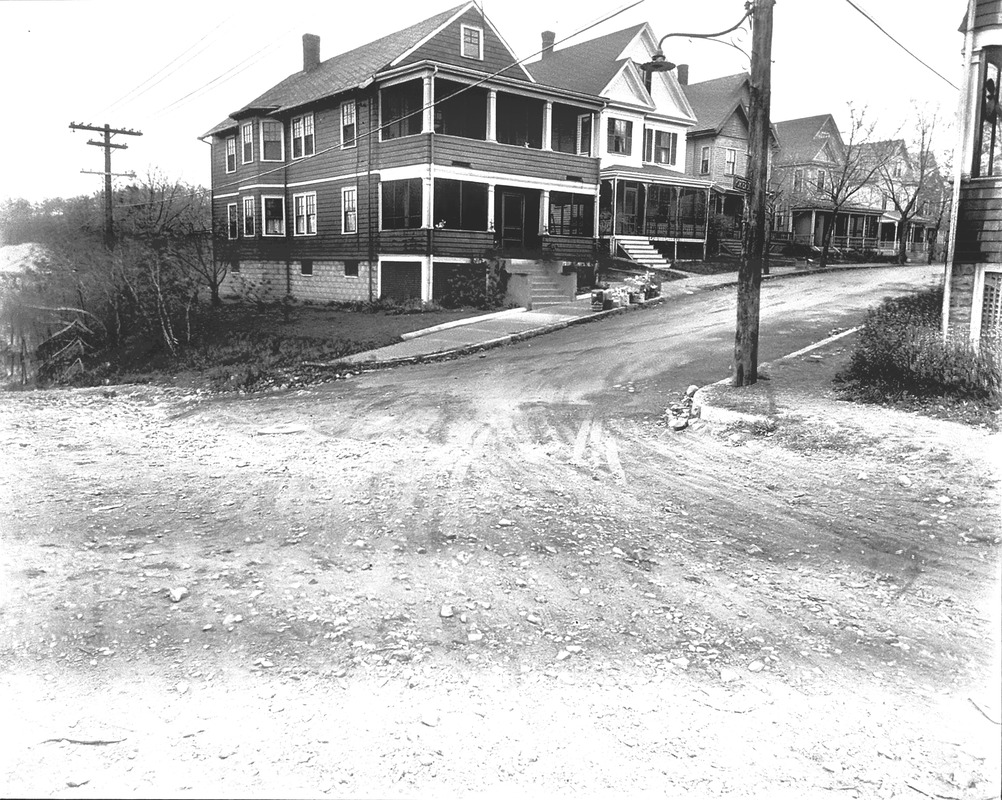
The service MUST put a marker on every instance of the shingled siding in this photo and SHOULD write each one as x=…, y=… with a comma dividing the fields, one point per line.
x=505, y=158
x=445, y=49
x=979, y=223
x=988, y=13
x=271, y=280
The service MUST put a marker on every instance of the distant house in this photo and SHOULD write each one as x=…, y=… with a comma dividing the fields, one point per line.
x=810, y=158
x=717, y=146
x=972, y=304
x=383, y=171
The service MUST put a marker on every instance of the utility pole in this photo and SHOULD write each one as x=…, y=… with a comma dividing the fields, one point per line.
x=750, y=271
x=108, y=145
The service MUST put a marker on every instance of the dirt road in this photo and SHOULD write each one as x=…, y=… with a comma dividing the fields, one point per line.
x=493, y=575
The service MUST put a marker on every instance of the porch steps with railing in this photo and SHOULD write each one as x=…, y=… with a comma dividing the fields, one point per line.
x=639, y=249
x=545, y=288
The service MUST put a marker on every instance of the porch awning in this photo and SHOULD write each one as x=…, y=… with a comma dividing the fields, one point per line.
x=652, y=174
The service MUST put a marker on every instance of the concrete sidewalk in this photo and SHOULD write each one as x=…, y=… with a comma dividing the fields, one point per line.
x=492, y=330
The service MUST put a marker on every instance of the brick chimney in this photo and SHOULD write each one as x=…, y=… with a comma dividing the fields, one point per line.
x=548, y=38
x=311, y=51
x=682, y=73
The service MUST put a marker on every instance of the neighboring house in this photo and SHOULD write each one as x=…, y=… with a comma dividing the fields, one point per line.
x=810, y=150
x=898, y=178
x=380, y=172
x=810, y=158
x=646, y=200
x=972, y=303
x=717, y=146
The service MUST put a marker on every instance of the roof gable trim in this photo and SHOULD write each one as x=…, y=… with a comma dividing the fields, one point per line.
x=424, y=40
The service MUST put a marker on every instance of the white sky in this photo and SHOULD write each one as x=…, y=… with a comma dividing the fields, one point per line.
x=92, y=61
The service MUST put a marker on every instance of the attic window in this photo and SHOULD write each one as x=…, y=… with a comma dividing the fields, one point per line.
x=472, y=42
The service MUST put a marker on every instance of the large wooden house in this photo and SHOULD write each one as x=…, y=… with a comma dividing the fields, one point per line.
x=972, y=303
x=381, y=171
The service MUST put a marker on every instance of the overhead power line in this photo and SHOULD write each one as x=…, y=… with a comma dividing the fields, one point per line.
x=883, y=31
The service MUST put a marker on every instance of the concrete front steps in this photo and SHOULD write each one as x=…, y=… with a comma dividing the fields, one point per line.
x=642, y=251
x=546, y=284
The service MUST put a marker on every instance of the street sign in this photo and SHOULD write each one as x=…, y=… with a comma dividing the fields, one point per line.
x=741, y=184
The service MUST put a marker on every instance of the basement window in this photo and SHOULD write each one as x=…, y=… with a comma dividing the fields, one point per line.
x=306, y=266
x=351, y=268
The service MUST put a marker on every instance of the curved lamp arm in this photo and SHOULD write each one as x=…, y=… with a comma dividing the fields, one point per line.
x=658, y=63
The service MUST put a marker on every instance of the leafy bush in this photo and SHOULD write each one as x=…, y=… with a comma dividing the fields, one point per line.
x=902, y=351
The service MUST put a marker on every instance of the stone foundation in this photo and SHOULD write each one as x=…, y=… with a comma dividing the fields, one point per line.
x=267, y=281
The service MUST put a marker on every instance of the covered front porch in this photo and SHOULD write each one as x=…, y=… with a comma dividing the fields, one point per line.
x=669, y=210
x=855, y=229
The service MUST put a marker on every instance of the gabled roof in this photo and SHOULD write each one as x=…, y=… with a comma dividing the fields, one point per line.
x=801, y=140
x=587, y=67
x=345, y=71
x=716, y=100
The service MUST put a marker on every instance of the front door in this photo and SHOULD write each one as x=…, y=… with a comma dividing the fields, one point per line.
x=630, y=210
x=512, y=220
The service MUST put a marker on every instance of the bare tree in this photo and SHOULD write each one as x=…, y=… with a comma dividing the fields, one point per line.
x=857, y=169
x=910, y=176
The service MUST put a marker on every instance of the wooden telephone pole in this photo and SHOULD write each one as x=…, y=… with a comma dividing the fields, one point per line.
x=750, y=271
x=108, y=145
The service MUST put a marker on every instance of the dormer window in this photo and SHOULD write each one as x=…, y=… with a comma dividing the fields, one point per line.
x=472, y=42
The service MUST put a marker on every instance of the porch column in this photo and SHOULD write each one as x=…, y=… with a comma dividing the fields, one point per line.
x=595, y=133
x=615, y=211
x=596, y=211
x=428, y=115
x=492, y=115
x=706, y=225
x=814, y=223
x=490, y=207
x=427, y=203
x=547, y=125
x=544, y=212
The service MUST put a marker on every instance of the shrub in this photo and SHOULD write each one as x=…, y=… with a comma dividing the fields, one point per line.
x=902, y=351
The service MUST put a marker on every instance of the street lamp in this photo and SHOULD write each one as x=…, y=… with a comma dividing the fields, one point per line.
x=659, y=63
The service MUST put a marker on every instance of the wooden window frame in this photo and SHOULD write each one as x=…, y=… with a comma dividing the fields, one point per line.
x=354, y=272
x=730, y=161
x=230, y=154
x=589, y=121
x=264, y=215
x=345, y=142
x=247, y=141
x=345, y=191
x=304, y=197
x=613, y=137
x=307, y=134
x=273, y=124
x=306, y=267
x=248, y=203
x=232, y=221
x=463, y=28
x=704, y=160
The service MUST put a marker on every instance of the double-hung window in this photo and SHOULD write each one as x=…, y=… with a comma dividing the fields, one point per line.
x=231, y=221
x=472, y=45
x=302, y=136
x=231, y=153
x=348, y=128
x=798, y=180
x=349, y=210
x=620, y=136
x=273, y=215
x=660, y=147
x=272, y=140
x=730, y=161
x=304, y=212
x=247, y=142
x=249, y=226
x=821, y=180
x=704, y=161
